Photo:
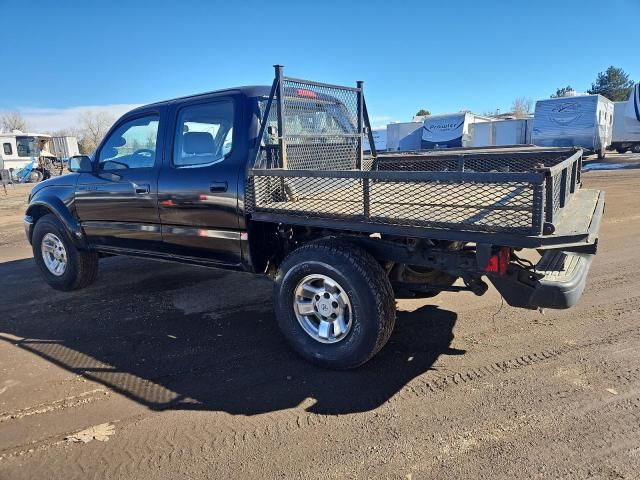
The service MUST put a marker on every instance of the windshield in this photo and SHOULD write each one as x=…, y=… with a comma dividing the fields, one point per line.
x=27, y=146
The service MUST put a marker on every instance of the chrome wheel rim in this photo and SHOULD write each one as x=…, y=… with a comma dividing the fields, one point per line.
x=54, y=254
x=322, y=308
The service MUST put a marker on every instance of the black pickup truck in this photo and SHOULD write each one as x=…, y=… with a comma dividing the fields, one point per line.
x=276, y=180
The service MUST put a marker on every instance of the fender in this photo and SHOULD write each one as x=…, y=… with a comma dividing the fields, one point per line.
x=49, y=199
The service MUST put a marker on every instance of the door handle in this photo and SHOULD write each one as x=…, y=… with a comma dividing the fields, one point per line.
x=218, y=187
x=141, y=189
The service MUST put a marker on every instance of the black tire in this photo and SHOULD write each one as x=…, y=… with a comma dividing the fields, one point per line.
x=35, y=176
x=636, y=148
x=369, y=292
x=82, y=267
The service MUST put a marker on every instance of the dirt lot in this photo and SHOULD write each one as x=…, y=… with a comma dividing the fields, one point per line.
x=168, y=371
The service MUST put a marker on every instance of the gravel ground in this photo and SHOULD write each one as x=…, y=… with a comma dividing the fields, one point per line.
x=163, y=371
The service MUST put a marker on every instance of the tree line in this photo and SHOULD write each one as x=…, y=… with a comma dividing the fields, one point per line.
x=614, y=83
x=91, y=129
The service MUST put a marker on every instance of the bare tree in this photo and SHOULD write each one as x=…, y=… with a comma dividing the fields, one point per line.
x=521, y=107
x=13, y=121
x=93, y=128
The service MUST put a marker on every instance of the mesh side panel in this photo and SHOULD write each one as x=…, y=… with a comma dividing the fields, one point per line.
x=557, y=185
x=471, y=162
x=493, y=207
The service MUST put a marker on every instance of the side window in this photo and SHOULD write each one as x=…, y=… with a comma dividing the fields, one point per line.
x=26, y=146
x=131, y=145
x=7, y=149
x=204, y=134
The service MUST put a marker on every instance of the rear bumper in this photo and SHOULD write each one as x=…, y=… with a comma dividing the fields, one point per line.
x=557, y=281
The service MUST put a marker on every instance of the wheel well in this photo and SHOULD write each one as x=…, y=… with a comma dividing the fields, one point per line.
x=36, y=212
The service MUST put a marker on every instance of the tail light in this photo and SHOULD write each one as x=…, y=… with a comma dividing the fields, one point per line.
x=301, y=92
x=498, y=263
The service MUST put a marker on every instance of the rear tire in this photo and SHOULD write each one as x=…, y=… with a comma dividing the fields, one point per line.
x=80, y=268
x=636, y=148
x=369, y=296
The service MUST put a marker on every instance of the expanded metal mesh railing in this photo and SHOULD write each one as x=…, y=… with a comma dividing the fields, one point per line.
x=315, y=126
x=312, y=168
x=373, y=197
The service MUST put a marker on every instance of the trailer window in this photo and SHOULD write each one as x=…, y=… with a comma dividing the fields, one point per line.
x=26, y=146
x=7, y=149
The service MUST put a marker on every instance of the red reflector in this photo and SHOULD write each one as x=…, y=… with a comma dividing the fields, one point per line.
x=498, y=262
x=306, y=93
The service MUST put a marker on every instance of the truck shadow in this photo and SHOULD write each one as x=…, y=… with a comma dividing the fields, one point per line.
x=177, y=337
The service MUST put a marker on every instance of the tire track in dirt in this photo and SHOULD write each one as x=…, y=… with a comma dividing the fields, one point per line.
x=205, y=439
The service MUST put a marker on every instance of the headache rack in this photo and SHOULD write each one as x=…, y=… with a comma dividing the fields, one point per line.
x=311, y=170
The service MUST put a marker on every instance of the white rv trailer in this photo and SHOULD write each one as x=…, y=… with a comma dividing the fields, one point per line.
x=501, y=132
x=626, y=123
x=449, y=130
x=64, y=147
x=404, y=136
x=379, y=140
x=580, y=121
x=19, y=150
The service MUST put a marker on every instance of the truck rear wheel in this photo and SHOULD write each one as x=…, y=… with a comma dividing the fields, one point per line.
x=334, y=303
x=636, y=148
x=62, y=265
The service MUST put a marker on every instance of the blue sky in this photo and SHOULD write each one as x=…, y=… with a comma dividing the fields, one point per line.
x=444, y=56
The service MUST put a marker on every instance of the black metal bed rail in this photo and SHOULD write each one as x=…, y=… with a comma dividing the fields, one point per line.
x=561, y=182
x=308, y=172
x=474, y=201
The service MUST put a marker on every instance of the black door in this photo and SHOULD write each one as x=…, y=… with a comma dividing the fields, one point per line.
x=198, y=182
x=118, y=204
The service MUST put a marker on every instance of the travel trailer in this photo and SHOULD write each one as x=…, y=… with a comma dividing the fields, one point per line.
x=450, y=130
x=584, y=121
x=379, y=140
x=626, y=123
x=31, y=157
x=501, y=132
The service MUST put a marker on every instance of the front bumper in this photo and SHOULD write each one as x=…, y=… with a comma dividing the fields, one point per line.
x=28, y=226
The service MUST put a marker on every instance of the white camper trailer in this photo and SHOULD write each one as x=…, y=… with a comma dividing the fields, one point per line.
x=450, y=130
x=582, y=121
x=37, y=155
x=626, y=123
x=501, y=132
x=379, y=140
x=404, y=136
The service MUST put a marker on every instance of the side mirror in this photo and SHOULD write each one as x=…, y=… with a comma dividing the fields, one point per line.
x=80, y=164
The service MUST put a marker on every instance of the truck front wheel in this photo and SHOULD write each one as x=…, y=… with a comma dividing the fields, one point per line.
x=62, y=265
x=334, y=303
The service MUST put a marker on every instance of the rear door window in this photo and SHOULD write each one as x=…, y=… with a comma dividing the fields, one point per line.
x=204, y=134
